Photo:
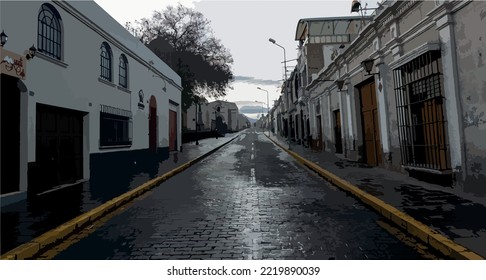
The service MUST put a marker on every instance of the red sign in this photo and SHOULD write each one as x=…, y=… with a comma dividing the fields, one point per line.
x=12, y=64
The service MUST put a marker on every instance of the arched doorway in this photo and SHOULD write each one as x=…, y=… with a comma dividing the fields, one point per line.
x=10, y=132
x=153, y=124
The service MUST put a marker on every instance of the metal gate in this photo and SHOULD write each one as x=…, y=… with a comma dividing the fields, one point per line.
x=421, y=113
x=59, y=146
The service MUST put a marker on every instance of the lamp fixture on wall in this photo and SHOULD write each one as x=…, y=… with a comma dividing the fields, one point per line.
x=368, y=66
x=3, y=38
x=164, y=88
x=340, y=84
x=31, y=53
x=356, y=7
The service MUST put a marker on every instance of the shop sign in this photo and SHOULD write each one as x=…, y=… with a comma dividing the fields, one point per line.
x=12, y=64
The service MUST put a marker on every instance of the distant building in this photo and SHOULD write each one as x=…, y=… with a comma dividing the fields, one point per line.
x=94, y=99
x=210, y=114
x=321, y=40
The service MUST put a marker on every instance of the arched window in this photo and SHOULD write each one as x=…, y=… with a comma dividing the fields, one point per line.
x=123, y=71
x=105, y=61
x=49, y=31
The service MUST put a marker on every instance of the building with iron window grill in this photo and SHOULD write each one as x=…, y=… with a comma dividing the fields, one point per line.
x=422, y=108
x=91, y=103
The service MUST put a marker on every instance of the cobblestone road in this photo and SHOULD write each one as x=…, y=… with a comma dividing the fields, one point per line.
x=249, y=200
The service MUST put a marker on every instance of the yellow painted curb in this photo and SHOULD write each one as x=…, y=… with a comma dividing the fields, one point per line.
x=56, y=235
x=415, y=228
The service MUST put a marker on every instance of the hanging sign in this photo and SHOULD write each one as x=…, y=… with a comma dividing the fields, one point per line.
x=12, y=64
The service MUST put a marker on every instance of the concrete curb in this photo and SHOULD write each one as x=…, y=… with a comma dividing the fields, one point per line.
x=413, y=227
x=60, y=233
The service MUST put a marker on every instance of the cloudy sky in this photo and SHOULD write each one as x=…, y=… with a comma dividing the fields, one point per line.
x=244, y=27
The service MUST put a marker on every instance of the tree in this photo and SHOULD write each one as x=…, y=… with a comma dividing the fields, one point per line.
x=183, y=39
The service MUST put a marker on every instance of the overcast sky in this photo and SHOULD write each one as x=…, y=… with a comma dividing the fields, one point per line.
x=244, y=27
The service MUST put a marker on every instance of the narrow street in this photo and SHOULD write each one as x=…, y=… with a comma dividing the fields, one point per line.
x=239, y=204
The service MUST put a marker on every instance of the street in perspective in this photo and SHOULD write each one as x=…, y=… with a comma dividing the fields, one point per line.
x=236, y=204
x=335, y=130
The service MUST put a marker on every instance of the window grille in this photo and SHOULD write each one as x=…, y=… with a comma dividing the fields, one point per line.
x=49, y=35
x=123, y=71
x=105, y=61
x=420, y=111
x=115, y=127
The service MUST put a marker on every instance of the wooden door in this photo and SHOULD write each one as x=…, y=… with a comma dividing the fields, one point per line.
x=371, y=132
x=431, y=149
x=153, y=125
x=172, y=130
x=319, y=144
x=338, y=142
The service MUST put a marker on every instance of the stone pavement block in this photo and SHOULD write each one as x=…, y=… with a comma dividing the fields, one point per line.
x=199, y=249
x=200, y=257
x=182, y=245
x=161, y=257
x=221, y=255
x=180, y=257
x=183, y=249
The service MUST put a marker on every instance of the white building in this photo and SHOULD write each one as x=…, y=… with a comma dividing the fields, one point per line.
x=243, y=122
x=93, y=99
x=420, y=107
x=209, y=113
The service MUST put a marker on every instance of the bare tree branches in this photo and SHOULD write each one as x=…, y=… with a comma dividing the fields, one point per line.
x=183, y=38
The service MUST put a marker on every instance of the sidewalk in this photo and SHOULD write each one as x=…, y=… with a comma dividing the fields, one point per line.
x=456, y=215
x=23, y=221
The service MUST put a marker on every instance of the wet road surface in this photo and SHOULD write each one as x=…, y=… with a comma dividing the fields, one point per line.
x=249, y=200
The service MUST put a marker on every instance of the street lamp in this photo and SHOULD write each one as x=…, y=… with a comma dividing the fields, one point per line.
x=268, y=109
x=285, y=84
x=31, y=53
x=3, y=38
x=368, y=66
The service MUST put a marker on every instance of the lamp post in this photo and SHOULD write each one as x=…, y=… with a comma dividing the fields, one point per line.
x=285, y=84
x=268, y=109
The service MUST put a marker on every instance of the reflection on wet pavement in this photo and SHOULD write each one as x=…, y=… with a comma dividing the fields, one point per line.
x=25, y=220
x=233, y=206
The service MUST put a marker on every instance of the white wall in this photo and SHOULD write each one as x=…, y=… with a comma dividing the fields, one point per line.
x=73, y=82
